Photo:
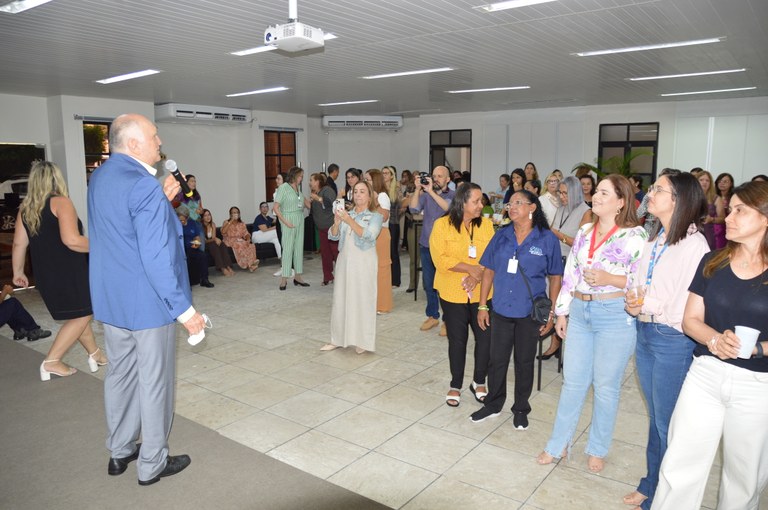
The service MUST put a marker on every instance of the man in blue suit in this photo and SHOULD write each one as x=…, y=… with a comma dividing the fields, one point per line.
x=139, y=288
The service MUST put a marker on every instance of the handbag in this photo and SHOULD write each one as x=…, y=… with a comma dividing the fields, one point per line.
x=542, y=305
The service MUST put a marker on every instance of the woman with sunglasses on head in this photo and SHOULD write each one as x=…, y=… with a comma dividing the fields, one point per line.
x=550, y=199
x=519, y=262
x=663, y=352
x=590, y=308
x=724, y=399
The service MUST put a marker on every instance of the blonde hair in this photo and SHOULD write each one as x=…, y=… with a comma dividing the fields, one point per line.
x=393, y=184
x=711, y=194
x=45, y=180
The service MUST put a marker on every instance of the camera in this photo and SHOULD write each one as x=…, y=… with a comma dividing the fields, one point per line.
x=423, y=178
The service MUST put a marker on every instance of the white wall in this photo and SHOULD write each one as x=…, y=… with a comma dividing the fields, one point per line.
x=24, y=120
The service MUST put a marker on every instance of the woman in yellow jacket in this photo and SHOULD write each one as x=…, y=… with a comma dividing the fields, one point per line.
x=457, y=242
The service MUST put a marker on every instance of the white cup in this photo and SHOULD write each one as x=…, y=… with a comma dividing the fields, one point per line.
x=748, y=338
x=486, y=215
x=497, y=218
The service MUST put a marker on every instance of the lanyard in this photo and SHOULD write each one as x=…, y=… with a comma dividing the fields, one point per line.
x=592, y=247
x=563, y=220
x=472, y=234
x=654, y=258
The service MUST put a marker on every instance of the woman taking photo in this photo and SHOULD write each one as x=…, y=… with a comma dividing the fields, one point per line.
x=393, y=190
x=723, y=189
x=289, y=209
x=725, y=395
x=353, y=314
x=663, y=352
x=47, y=223
x=214, y=245
x=321, y=199
x=600, y=334
x=519, y=262
x=384, y=273
x=708, y=224
x=457, y=243
x=569, y=218
x=236, y=236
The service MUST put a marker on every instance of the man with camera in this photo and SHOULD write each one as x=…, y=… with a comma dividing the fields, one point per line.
x=433, y=197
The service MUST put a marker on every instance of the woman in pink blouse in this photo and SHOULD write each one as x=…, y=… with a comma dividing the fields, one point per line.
x=599, y=334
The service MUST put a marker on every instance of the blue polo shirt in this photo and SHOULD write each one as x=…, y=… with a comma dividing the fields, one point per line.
x=539, y=256
x=262, y=220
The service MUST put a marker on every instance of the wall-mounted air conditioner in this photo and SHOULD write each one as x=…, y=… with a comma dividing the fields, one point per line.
x=195, y=114
x=362, y=122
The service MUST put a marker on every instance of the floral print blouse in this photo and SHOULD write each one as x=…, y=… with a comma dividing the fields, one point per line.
x=619, y=254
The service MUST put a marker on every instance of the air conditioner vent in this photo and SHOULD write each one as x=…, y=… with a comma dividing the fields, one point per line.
x=192, y=114
x=362, y=122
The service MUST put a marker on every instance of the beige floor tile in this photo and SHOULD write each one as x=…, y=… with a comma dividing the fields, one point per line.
x=354, y=387
x=216, y=411
x=365, y=427
x=383, y=479
x=318, y=453
x=625, y=462
x=264, y=392
x=528, y=442
x=310, y=408
x=195, y=364
x=423, y=353
x=391, y=370
x=262, y=431
x=428, y=447
x=345, y=359
x=266, y=362
x=456, y=419
x=510, y=474
x=631, y=428
x=577, y=490
x=404, y=402
x=308, y=374
x=186, y=392
x=270, y=339
x=223, y=378
x=231, y=351
x=447, y=493
x=437, y=380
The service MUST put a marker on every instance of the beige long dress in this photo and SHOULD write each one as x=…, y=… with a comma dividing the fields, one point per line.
x=353, y=316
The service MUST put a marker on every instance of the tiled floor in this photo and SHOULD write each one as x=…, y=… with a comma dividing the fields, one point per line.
x=377, y=424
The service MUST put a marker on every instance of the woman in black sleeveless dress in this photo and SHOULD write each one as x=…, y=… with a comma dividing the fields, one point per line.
x=48, y=224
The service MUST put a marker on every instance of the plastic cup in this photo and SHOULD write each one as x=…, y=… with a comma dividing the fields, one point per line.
x=748, y=338
x=486, y=215
x=636, y=295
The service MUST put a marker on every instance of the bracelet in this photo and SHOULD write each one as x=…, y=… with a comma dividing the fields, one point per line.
x=483, y=308
x=759, y=350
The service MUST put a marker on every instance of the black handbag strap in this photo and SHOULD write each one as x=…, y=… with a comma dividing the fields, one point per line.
x=525, y=280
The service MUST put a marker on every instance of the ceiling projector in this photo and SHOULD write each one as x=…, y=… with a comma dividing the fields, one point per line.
x=294, y=36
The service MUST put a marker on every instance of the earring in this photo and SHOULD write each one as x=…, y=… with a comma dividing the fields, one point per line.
x=530, y=215
x=618, y=211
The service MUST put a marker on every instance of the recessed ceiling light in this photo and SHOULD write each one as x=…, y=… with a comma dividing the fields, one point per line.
x=512, y=4
x=350, y=102
x=649, y=47
x=21, y=5
x=129, y=76
x=261, y=91
x=251, y=51
x=407, y=73
x=487, y=90
x=707, y=92
x=327, y=36
x=687, y=75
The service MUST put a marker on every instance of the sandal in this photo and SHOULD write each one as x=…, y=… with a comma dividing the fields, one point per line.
x=328, y=347
x=479, y=395
x=453, y=398
x=94, y=363
x=45, y=375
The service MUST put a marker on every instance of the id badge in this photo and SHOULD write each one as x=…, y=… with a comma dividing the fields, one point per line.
x=512, y=266
x=472, y=251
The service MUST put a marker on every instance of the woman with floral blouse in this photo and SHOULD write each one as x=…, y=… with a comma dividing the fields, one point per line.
x=600, y=335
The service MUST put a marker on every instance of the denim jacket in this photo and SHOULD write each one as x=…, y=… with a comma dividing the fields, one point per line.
x=371, y=223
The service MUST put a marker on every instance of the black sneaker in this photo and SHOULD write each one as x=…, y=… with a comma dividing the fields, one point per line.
x=482, y=415
x=520, y=420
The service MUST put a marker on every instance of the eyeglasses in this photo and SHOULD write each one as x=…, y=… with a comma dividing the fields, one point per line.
x=659, y=189
x=553, y=181
x=517, y=203
x=563, y=192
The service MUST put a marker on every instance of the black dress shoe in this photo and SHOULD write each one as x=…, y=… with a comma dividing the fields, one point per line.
x=300, y=284
x=19, y=334
x=410, y=290
x=37, y=334
x=206, y=284
x=173, y=465
x=555, y=353
x=118, y=466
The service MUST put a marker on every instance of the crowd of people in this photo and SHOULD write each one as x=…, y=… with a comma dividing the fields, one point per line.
x=675, y=274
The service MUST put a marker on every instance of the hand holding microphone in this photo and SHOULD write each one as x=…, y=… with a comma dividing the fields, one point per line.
x=173, y=168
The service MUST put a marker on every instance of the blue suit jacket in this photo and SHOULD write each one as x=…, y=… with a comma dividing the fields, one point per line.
x=137, y=264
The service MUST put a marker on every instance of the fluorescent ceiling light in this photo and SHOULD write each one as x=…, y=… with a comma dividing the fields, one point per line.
x=350, y=102
x=251, y=51
x=650, y=47
x=688, y=75
x=487, y=90
x=328, y=36
x=129, y=76
x=707, y=92
x=407, y=73
x=21, y=5
x=262, y=91
x=512, y=4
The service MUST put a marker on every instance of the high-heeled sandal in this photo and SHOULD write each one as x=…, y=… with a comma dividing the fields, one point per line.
x=45, y=375
x=92, y=363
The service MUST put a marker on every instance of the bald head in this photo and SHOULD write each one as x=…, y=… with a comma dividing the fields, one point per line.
x=441, y=176
x=135, y=135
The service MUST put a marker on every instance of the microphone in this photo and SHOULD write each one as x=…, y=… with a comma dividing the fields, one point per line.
x=173, y=168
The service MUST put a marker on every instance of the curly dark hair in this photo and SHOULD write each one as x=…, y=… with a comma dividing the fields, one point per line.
x=539, y=220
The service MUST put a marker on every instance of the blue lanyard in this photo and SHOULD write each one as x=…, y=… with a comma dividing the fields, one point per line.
x=654, y=258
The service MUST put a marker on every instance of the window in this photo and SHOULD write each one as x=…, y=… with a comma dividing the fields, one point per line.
x=629, y=149
x=96, y=144
x=452, y=149
x=279, y=157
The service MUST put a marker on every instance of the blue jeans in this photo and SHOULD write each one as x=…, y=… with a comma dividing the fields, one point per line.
x=599, y=341
x=663, y=356
x=428, y=279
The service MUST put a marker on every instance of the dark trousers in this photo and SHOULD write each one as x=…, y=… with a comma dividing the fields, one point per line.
x=394, y=252
x=459, y=317
x=508, y=335
x=197, y=266
x=13, y=313
x=329, y=252
x=219, y=253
